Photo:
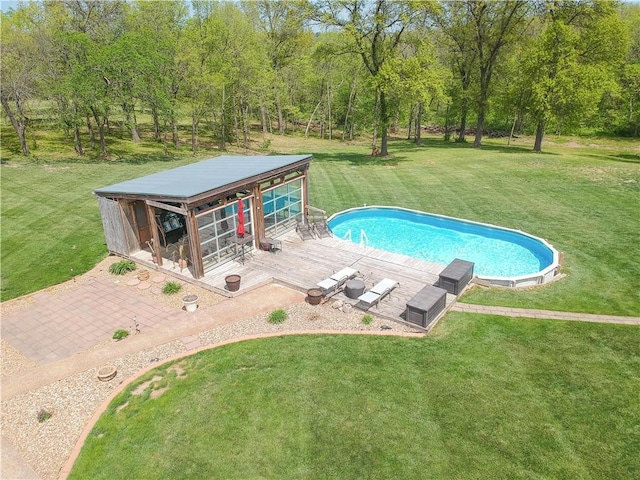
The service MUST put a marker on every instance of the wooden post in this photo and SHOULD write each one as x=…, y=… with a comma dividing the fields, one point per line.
x=258, y=215
x=154, y=233
x=194, y=242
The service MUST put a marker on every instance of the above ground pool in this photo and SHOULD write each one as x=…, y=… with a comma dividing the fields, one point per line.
x=501, y=256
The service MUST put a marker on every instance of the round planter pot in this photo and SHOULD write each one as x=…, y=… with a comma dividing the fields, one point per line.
x=190, y=302
x=314, y=296
x=143, y=275
x=107, y=373
x=233, y=282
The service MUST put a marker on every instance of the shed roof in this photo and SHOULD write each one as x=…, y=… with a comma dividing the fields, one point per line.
x=205, y=176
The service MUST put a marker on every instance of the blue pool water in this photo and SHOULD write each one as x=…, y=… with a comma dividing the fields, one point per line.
x=496, y=252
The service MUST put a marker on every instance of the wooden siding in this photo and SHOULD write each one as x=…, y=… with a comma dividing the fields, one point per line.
x=113, y=226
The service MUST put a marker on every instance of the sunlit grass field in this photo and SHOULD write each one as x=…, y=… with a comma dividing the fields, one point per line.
x=581, y=196
x=482, y=397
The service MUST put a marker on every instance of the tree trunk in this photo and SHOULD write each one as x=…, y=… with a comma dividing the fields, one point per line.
x=537, y=146
x=131, y=122
x=306, y=132
x=100, y=124
x=176, y=137
x=280, y=119
x=77, y=139
x=463, y=124
x=352, y=95
x=419, y=124
x=19, y=125
x=384, y=117
x=156, y=122
x=194, y=132
x=477, y=142
x=263, y=116
x=92, y=138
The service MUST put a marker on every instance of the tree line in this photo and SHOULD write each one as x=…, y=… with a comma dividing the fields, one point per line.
x=342, y=67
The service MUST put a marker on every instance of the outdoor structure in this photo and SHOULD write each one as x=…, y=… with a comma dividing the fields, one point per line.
x=208, y=212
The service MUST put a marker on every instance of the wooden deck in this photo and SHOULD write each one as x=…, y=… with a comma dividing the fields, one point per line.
x=302, y=264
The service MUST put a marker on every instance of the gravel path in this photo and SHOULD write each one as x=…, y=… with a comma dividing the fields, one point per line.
x=72, y=401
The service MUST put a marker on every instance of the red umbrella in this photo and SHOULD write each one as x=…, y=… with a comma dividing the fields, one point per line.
x=240, y=230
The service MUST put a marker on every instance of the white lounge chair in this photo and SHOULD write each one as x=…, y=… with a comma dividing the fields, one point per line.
x=336, y=280
x=377, y=293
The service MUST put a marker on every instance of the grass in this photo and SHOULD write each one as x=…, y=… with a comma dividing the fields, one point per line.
x=583, y=200
x=484, y=397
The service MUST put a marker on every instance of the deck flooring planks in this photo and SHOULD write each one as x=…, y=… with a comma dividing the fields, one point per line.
x=302, y=264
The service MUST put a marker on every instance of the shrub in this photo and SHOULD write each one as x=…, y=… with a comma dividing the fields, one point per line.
x=122, y=267
x=171, y=287
x=43, y=415
x=277, y=316
x=120, y=334
x=367, y=319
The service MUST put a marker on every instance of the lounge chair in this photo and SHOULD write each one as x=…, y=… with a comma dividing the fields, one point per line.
x=377, y=293
x=337, y=280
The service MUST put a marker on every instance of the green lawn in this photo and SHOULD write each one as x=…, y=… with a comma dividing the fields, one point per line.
x=585, y=201
x=483, y=397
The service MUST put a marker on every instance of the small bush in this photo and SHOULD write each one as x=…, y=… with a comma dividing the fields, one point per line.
x=43, y=415
x=367, y=319
x=277, y=316
x=120, y=334
x=122, y=267
x=171, y=288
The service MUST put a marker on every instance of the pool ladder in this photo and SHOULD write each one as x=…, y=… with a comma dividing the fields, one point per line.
x=364, y=240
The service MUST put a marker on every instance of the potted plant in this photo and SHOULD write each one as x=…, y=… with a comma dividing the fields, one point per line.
x=233, y=282
x=190, y=302
x=154, y=257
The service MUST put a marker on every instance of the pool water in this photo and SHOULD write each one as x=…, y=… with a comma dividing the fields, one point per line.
x=495, y=251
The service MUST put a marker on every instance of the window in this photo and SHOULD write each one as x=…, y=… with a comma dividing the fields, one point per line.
x=282, y=207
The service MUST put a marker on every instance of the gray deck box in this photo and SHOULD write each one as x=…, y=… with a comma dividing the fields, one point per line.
x=426, y=305
x=456, y=276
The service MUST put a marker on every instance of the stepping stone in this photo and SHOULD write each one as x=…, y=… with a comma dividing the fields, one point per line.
x=156, y=291
x=159, y=278
x=144, y=285
x=133, y=282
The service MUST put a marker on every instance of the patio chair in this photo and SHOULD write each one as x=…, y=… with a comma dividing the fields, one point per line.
x=318, y=220
x=337, y=280
x=377, y=293
x=304, y=229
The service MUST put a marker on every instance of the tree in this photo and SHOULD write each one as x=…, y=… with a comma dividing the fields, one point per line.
x=495, y=24
x=19, y=71
x=572, y=62
x=454, y=21
x=375, y=30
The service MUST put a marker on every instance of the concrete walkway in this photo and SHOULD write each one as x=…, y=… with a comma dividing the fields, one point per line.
x=544, y=314
x=60, y=331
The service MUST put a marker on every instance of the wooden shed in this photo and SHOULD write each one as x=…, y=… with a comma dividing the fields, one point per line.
x=195, y=208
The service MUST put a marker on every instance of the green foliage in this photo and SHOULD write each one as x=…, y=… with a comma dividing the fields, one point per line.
x=122, y=267
x=120, y=334
x=43, y=415
x=277, y=316
x=171, y=288
x=367, y=319
x=534, y=391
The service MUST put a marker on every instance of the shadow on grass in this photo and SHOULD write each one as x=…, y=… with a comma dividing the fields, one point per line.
x=620, y=157
x=360, y=158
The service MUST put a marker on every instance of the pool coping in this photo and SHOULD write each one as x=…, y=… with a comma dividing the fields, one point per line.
x=542, y=277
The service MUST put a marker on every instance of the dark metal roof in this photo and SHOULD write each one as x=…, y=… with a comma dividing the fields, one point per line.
x=197, y=178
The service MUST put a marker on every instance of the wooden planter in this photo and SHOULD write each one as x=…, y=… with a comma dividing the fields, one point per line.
x=233, y=282
x=314, y=296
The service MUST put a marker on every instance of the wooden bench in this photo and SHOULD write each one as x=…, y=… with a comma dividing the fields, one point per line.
x=426, y=305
